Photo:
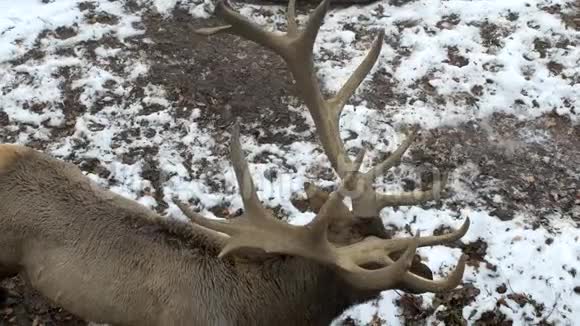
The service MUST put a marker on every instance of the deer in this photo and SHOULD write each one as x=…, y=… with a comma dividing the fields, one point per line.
x=109, y=259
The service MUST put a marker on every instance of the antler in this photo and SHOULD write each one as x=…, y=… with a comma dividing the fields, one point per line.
x=296, y=48
x=257, y=229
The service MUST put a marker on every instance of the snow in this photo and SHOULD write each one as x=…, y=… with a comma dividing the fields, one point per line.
x=522, y=259
x=200, y=9
x=429, y=52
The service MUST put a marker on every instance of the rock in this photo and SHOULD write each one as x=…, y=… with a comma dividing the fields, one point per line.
x=502, y=214
x=271, y=174
x=501, y=289
x=4, y=119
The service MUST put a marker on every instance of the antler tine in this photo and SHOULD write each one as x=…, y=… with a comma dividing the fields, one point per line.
x=359, y=160
x=291, y=17
x=195, y=218
x=418, y=284
x=310, y=32
x=415, y=197
x=398, y=244
x=288, y=46
x=445, y=238
x=412, y=281
x=393, y=159
x=377, y=279
x=246, y=184
x=239, y=25
x=349, y=88
x=394, y=275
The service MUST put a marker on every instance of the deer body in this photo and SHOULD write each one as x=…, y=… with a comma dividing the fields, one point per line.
x=110, y=260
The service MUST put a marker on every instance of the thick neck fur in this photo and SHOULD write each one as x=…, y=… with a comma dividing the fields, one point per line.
x=106, y=258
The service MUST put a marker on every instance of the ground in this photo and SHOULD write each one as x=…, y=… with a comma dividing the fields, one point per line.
x=130, y=94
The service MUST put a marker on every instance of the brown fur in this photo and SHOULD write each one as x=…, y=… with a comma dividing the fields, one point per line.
x=10, y=153
x=108, y=259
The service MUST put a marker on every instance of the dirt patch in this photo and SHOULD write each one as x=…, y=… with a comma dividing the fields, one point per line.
x=4, y=119
x=65, y=32
x=33, y=54
x=541, y=46
x=455, y=301
x=100, y=17
x=492, y=36
x=22, y=306
x=384, y=92
x=221, y=75
x=522, y=166
x=87, y=5
x=493, y=317
x=71, y=105
x=151, y=173
x=570, y=14
x=414, y=312
x=454, y=58
x=412, y=309
x=448, y=21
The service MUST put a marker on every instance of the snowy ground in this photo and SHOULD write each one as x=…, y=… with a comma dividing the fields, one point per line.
x=123, y=89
